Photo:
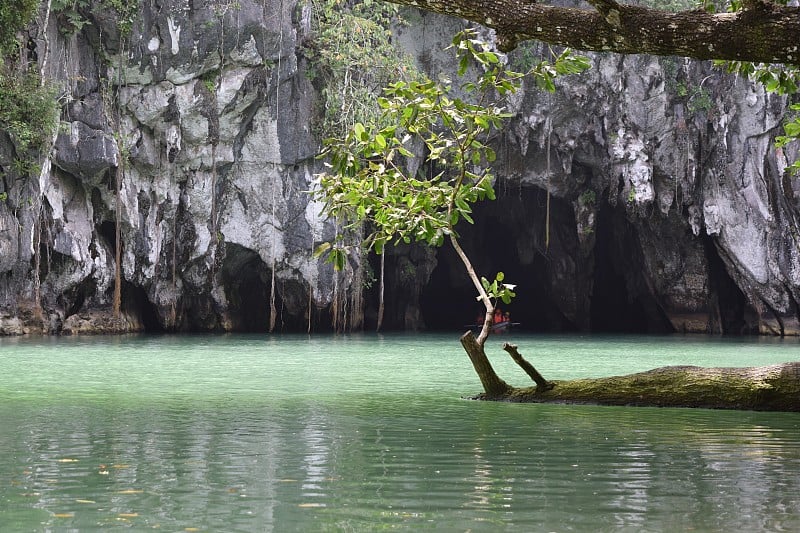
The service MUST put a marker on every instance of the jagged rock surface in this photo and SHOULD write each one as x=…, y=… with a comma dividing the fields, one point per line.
x=664, y=188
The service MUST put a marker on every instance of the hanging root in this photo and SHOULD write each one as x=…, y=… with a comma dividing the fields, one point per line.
x=534, y=374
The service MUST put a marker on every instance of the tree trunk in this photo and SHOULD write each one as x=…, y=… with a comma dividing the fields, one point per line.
x=117, y=301
x=381, y=290
x=493, y=386
x=767, y=388
x=760, y=32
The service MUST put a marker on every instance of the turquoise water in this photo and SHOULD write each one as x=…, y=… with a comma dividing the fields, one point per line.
x=366, y=432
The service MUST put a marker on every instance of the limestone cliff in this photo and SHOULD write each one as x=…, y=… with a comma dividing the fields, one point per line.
x=190, y=140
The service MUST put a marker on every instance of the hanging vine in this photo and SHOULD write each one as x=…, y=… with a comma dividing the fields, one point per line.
x=273, y=312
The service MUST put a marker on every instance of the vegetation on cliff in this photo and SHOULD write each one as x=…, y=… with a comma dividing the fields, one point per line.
x=351, y=57
x=29, y=110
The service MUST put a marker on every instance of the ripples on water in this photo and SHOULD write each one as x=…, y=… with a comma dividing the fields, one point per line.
x=244, y=433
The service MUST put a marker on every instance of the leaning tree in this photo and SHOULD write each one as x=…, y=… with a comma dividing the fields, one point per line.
x=413, y=174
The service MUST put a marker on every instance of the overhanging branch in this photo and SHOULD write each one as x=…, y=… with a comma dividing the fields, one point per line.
x=762, y=32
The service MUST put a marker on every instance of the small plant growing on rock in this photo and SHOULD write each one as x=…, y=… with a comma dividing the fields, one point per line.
x=587, y=198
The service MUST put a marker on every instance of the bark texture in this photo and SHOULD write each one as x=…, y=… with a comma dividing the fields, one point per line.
x=492, y=384
x=768, y=388
x=760, y=32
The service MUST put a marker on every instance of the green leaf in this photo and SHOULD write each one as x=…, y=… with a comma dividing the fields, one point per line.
x=360, y=132
x=463, y=64
x=792, y=129
x=321, y=249
x=338, y=258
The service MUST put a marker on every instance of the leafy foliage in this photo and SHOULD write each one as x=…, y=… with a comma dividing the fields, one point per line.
x=352, y=58
x=29, y=113
x=72, y=16
x=497, y=290
x=699, y=100
x=373, y=174
x=14, y=15
x=780, y=79
x=792, y=134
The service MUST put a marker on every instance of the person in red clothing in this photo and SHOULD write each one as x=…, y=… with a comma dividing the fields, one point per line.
x=498, y=315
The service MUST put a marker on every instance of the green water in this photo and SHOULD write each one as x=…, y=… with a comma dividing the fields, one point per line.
x=366, y=433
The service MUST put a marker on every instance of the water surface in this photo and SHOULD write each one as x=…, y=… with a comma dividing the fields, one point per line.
x=366, y=432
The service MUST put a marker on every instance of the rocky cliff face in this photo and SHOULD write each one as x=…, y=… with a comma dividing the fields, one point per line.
x=188, y=142
x=191, y=139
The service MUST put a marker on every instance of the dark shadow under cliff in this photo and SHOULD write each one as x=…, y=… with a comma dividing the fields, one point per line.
x=562, y=285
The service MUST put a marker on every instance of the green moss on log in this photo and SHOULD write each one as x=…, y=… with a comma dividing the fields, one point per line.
x=768, y=388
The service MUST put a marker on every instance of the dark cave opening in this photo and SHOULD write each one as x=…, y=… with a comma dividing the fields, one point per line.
x=559, y=288
x=108, y=231
x=247, y=287
x=508, y=236
x=612, y=308
x=734, y=314
x=134, y=298
x=135, y=302
x=247, y=282
x=292, y=308
x=621, y=301
x=73, y=299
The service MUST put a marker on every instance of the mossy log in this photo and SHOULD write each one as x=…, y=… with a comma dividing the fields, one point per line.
x=767, y=388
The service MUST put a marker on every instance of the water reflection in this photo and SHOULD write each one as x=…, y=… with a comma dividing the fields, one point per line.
x=544, y=467
x=244, y=450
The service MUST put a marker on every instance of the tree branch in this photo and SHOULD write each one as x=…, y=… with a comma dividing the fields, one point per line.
x=762, y=32
x=541, y=383
x=487, y=321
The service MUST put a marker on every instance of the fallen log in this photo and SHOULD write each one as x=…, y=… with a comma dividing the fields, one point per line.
x=766, y=388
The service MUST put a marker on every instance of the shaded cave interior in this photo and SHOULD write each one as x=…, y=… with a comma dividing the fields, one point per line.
x=594, y=285
x=247, y=282
x=564, y=285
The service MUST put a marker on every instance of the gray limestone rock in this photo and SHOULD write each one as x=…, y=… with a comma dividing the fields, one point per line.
x=190, y=140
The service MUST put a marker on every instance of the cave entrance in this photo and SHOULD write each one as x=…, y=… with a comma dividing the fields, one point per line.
x=621, y=301
x=135, y=302
x=508, y=236
x=246, y=281
x=734, y=315
x=559, y=287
